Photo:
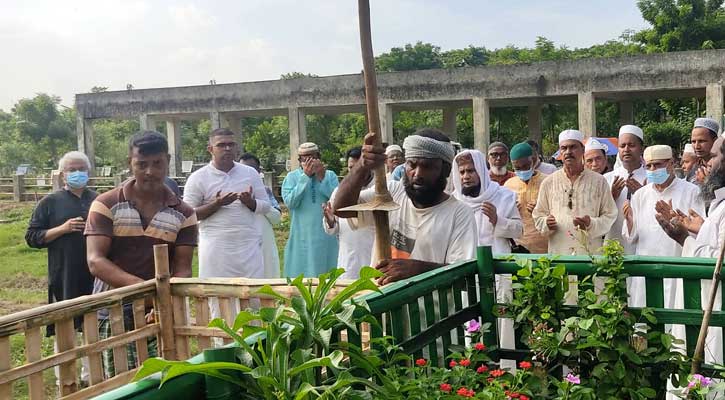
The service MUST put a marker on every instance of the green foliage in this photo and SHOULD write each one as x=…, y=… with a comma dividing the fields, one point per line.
x=682, y=25
x=410, y=57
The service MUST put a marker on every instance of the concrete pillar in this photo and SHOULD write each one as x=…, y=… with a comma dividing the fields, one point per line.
x=449, y=122
x=173, y=136
x=234, y=124
x=587, y=114
x=84, y=132
x=386, y=123
x=297, y=133
x=714, y=102
x=481, y=124
x=215, y=119
x=147, y=122
x=626, y=112
x=533, y=115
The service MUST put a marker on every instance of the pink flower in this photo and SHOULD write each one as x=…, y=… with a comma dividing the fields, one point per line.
x=573, y=379
x=473, y=326
x=700, y=380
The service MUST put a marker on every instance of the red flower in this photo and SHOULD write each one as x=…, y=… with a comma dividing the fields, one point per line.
x=421, y=362
x=513, y=395
x=489, y=379
x=452, y=364
x=524, y=397
x=480, y=346
x=497, y=372
x=463, y=392
x=446, y=387
x=465, y=362
x=482, y=369
x=524, y=365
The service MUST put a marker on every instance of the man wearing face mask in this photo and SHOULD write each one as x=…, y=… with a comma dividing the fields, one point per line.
x=57, y=224
x=526, y=185
x=498, y=159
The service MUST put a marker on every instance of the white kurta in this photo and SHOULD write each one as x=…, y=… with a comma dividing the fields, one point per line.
x=356, y=243
x=546, y=168
x=615, y=233
x=707, y=244
x=230, y=240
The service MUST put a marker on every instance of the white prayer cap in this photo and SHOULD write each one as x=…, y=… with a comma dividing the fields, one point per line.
x=594, y=144
x=688, y=149
x=393, y=147
x=571, y=134
x=307, y=148
x=632, y=129
x=658, y=152
x=708, y=123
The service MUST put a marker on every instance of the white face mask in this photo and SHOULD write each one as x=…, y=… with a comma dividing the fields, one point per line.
x=499, y=170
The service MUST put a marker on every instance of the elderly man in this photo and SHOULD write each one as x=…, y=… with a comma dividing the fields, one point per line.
x=393, y=158
x=356, y=239
x=126, y=222
x=539, y=164
x=595, y=156
x=710, y=236
x=431, y=228
x=641, y=230
x=226, y=196
x=574, y=199
x=625, y=180
x=57, y=224
x=309, y=251
x=703, y=136
x=688, y=160
x=498, y=159
x=526, y=185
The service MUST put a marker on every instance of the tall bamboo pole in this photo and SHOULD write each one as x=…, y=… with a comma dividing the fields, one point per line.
x=697, y=357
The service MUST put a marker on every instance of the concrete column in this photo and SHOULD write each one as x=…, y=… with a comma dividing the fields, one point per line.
x=714, y=102
x=587, y=114
x=84, y=132
x=297, y=133
x=234, y=124
x=215, y=119
x=386, y=123
x=147, y=122
x=626, y=112
x=534, y=121
x=173, y=136
x=449, y=122
x=481, y=124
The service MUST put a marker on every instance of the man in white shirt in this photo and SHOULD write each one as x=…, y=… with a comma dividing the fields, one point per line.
x=709, y=240
x=356, y=242
x=595, y=156
x=393, y=158
x=539, y=164
x=226, y=195
x=625, y=180
x=431, y=228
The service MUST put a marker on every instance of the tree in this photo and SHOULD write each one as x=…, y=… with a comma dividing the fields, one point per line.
x=410, y=57
x=39, y=121
x=682, y=25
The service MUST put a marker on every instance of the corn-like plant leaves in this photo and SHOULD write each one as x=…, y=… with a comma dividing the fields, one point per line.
x=207, y=368
x=333, y=361
x=266, y=289
x=243, y=318
x=152, y=366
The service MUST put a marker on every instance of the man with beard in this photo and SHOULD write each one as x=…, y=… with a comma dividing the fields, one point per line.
x=688, y=161
x=575, y=207
x=539, y=164
x=431, y=228
x=595, y=156
x=703, y=136
x=627, y=179
x=393, y=158
x=498, y=159
x=709, y=238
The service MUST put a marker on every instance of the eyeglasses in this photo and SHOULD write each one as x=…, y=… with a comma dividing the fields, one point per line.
x=571, y=198
x=497, y=155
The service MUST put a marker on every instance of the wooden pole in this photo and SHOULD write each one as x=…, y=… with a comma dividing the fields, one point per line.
x=382, y=228
x=164, y=311
x=697, y=357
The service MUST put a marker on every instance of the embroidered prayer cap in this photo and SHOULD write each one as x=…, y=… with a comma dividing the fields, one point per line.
x=424, y=147
x=688, y=149
x=658, y=152
x=393, y=148
x=307, y=149
x=708, y=123
x=632, y=129
x=571, y=134
x=594, y=144
x=521, y=150
x=497, y=144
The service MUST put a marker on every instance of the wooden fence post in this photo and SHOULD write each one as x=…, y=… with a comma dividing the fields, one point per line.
x=164, y=310
x=18, y=187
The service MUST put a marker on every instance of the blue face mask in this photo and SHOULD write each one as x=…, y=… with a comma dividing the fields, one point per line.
x=77, y=179
x=525, y=175
x=658, y=176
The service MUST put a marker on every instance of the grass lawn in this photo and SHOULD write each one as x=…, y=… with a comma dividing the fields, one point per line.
x=23, y=279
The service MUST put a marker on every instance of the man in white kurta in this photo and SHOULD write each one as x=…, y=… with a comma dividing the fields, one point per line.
x=226, y=196
x=626, y=179
x=575, y=208
x=356, y=238
x=709, y=240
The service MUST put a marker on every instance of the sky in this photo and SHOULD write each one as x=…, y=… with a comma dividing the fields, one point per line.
x=68, y=47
